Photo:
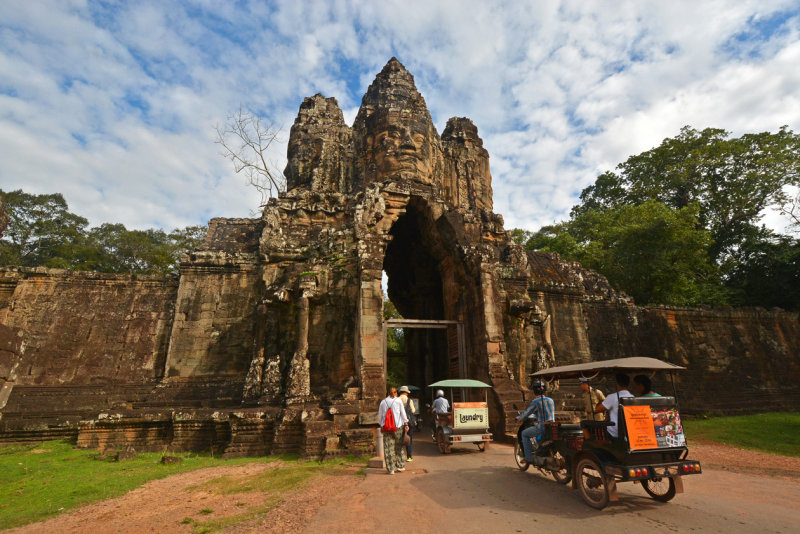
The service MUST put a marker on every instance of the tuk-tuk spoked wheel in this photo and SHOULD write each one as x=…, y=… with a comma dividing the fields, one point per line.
x=519, y=457
x=441, y=441
x=660, y=489
x=592, y=483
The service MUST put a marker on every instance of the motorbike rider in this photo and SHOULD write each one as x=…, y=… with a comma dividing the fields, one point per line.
x=544, y=409
x=440, y=406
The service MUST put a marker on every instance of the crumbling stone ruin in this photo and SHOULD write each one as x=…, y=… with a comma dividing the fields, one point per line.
x=271, y=338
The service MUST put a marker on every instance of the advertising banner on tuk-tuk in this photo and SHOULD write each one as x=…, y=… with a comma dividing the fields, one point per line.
x=470, y=415
x=668, y=427
x=641, y=431
x=653, y=428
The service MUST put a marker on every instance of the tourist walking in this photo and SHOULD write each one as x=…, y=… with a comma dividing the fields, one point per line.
x=392, y=419
x=411, y=413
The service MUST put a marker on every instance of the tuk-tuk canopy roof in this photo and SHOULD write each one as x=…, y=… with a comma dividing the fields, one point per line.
x=622, y=364
x=459, y=383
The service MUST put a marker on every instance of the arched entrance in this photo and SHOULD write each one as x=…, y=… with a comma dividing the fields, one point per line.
x=432, y=290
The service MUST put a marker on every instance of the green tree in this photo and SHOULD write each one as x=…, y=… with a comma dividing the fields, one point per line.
x=656, y=254
x=520, y=236
x=731, y=180
x=41, y=230
x=680, y=223
x=397, y=361
x=3, y=215
x=767, y=272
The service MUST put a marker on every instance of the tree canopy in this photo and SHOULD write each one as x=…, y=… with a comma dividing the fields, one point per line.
x=680, y=224
x=41, y=231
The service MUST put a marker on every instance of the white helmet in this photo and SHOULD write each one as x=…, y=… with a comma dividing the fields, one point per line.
x=439, y=393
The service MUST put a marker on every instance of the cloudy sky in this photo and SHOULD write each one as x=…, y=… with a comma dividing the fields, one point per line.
x=113, y=104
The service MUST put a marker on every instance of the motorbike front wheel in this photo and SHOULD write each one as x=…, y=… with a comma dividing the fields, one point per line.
x=519, y=457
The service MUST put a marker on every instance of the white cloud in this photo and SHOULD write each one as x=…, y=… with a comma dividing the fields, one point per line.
x=114, y=107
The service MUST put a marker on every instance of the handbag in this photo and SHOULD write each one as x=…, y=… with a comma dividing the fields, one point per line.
x=406, y=438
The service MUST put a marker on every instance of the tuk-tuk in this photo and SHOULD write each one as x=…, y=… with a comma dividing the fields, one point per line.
x=467, y=421
x=650, y=448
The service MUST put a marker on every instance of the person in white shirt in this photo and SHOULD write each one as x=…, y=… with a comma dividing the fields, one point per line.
x=393, y=450
x=611, y=403
x=440, y=406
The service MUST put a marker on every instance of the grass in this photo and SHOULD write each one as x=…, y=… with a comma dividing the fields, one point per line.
x=41, y=481
x=288, y=475
x=773, y=433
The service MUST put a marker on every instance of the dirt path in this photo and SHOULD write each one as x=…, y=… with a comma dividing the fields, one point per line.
x=163, y=506
x=728, y=458
x=469, y=491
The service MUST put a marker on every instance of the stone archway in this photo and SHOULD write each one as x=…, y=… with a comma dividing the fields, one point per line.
x=431, y=278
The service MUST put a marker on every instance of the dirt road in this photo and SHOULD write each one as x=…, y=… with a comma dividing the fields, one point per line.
x=466, y=491
x=469, y=491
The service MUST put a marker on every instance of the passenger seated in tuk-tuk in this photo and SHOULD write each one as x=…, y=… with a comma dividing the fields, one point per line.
x=544, y=409
x=591, y=397
x=611, y=404
x=643, y=386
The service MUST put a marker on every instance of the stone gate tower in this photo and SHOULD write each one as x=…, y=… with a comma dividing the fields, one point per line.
x=271, y=338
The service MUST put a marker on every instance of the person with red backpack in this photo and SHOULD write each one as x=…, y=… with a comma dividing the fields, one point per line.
x=393, y=420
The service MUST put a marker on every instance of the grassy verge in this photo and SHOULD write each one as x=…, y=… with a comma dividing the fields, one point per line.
x=287, y=477
x=773, y=433
x=37, y=482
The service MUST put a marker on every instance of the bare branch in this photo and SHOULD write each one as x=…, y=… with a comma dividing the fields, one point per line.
x=791, y=209
x=245, y=141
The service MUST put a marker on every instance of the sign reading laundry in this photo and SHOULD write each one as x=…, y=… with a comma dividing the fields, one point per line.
x=470, y=415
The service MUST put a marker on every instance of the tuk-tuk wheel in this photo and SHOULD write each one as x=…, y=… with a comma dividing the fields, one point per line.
x=660, y=489
x=519, y=457
x=592, y=483
x=482, y=445
x=444, y=446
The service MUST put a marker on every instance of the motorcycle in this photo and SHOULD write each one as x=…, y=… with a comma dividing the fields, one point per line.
x=546, y=456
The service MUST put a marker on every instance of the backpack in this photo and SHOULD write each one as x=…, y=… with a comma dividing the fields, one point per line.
x=412, y=417
x=388, y=423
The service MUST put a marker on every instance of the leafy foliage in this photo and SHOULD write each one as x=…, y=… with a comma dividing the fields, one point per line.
x=395, y=347
x=767, y=273
x=655, y=253
x=43, y=232
x=731, y=180
x=680, y=224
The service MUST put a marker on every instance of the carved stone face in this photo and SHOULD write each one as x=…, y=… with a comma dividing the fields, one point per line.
x=400, y=147
x=304, y=156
